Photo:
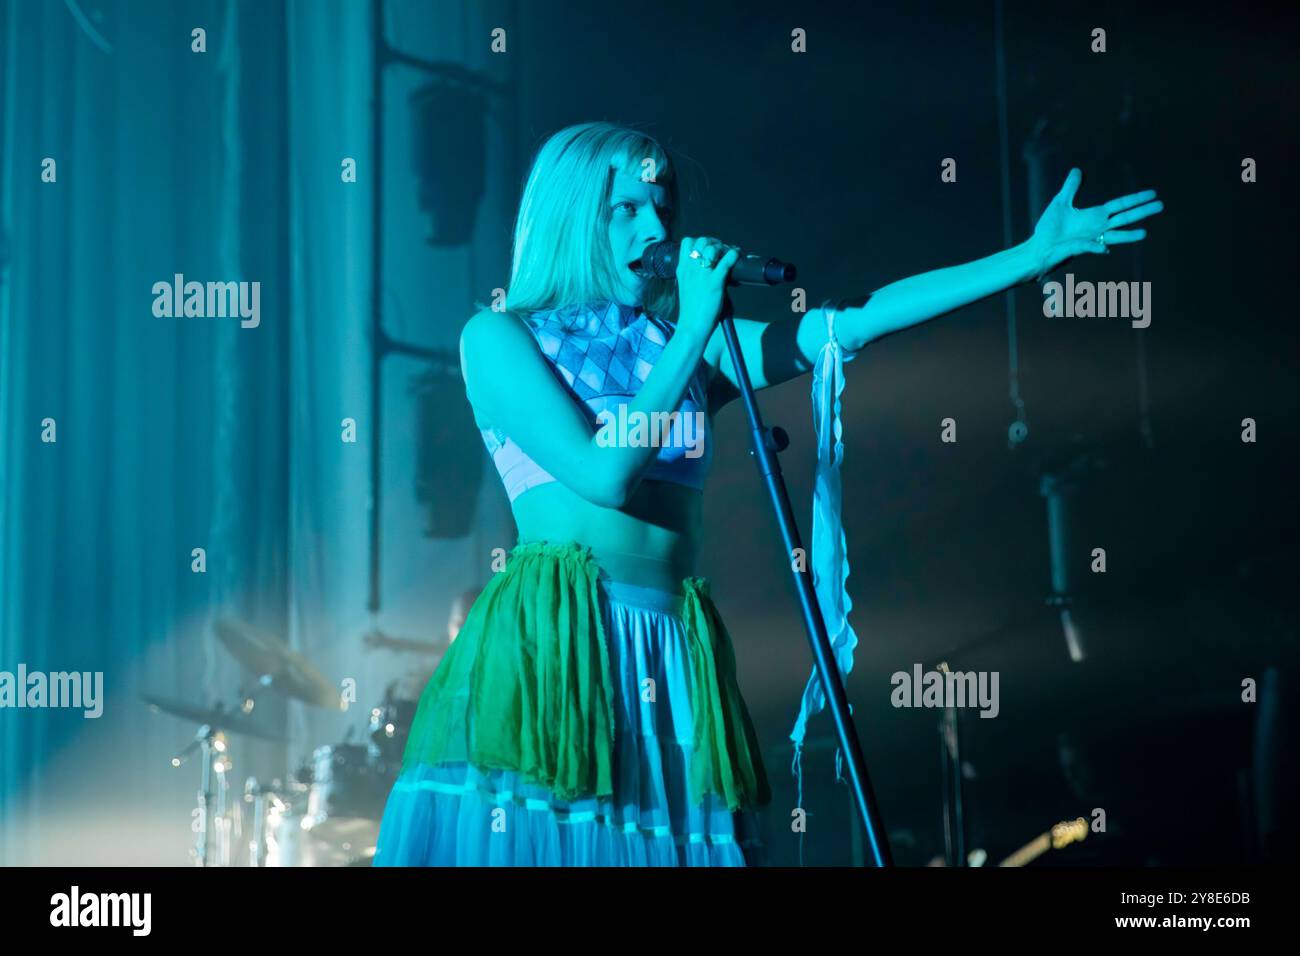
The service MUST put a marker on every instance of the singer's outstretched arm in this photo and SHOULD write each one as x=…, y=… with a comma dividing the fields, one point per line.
x=779, y=351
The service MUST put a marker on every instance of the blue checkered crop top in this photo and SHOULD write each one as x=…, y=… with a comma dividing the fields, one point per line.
x=603, y=352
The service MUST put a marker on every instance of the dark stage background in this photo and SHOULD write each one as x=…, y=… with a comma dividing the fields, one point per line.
x=175, y=434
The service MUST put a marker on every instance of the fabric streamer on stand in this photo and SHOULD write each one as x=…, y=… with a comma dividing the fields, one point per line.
x=830, y=563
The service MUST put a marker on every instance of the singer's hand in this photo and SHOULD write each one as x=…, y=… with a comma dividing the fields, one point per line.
x=1064, y=232
x=701, y=281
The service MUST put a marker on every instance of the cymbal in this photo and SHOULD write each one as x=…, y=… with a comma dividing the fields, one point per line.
x=232, y=721
x=266, y=654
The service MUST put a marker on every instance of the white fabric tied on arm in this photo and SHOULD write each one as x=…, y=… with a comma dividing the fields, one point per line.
x=830, y=563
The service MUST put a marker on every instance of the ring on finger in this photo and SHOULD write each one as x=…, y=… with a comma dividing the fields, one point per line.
x=707, y=261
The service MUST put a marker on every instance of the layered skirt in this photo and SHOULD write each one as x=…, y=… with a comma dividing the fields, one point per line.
x=577, y=721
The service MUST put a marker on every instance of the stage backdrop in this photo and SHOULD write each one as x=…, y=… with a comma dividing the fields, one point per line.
x=179, y=433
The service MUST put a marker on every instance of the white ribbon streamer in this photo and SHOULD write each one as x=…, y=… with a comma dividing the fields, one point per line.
x=829, y=560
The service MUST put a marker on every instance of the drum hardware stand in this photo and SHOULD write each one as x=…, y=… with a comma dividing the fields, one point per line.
x=211, y=795
x=766, y=443
x=260, y=795
x=213, y=786
x=257, y=845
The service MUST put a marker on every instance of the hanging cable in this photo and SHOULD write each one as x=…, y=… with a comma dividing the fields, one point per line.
x=1019, y=429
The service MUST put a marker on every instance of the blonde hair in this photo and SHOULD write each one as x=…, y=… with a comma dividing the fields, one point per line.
x=561, y=243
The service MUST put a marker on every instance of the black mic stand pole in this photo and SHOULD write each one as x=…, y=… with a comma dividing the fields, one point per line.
x=766, y=443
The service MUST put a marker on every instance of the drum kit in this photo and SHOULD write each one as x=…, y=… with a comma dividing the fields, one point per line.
x=326, y=812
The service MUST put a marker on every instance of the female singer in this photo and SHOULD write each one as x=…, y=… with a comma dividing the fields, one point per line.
x=588, y=713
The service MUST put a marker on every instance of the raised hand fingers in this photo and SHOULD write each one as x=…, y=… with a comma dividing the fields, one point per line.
x=1133, y=215
x=1071, y=185
x=1115, y=237
x=1124, y=202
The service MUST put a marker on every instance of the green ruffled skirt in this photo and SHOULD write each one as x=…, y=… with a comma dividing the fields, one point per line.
x=538, y=706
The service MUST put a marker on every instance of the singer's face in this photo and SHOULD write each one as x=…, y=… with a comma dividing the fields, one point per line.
x=638, y=217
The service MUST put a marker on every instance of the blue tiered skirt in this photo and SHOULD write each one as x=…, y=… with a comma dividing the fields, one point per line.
x=456, y=814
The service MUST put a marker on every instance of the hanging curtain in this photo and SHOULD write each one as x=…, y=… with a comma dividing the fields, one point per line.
x=170, y=432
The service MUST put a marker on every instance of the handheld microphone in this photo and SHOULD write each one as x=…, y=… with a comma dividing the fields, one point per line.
x=659, y=261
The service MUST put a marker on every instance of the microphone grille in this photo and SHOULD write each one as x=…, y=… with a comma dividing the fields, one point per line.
x=658, y=260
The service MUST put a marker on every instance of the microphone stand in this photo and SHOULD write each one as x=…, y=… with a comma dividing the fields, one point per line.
x=954, y=816
x=765, y=445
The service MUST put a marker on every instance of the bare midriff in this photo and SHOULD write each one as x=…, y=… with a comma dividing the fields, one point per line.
x=652, y=541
